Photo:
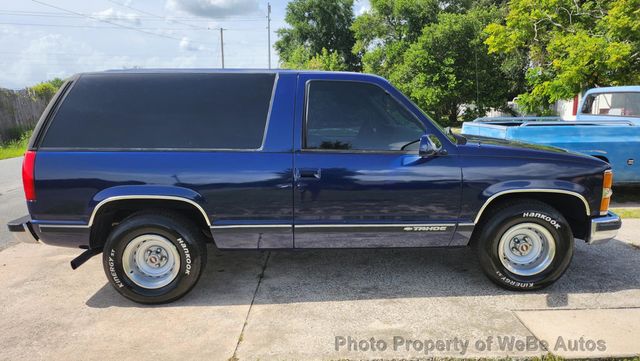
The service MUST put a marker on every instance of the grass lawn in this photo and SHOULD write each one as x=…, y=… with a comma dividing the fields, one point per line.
x=15, y=148
x=627, y=212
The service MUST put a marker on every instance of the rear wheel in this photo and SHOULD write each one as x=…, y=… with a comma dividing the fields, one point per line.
x=525, y=245
x=154, y=258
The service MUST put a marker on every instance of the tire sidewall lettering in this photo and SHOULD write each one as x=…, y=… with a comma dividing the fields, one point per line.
x=539, y=215
x=512, y=283
x=112, y=269
x=186, y=252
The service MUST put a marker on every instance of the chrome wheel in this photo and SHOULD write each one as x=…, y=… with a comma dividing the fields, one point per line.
x=151, y=261
x=526, y=249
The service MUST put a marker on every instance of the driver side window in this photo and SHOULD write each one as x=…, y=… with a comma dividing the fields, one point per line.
x=347, y=115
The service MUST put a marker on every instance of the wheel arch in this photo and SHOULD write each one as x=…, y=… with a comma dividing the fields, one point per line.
x=110, y=210
x=141, y=197
x=572, y=205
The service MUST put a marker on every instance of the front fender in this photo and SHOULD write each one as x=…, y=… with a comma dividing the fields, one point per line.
x=494, y=191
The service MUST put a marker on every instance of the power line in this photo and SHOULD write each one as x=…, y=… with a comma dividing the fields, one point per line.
x=103, y=64
x=89, y=61
x=152, y=14
x=148, y=18
x=88, y=54
x=200, y=28
x=192, y=26
x=106, y=21
x=67, y=13
x=117, y=28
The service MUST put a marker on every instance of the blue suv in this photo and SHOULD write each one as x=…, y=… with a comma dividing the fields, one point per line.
x=148, y=166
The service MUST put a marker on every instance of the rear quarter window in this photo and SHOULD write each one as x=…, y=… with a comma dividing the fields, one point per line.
x=163, y=111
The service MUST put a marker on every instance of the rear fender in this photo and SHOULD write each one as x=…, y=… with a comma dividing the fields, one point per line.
x=146, y=192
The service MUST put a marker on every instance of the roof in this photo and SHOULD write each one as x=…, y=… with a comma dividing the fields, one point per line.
x=229, y=71
x=217, y=70
x=615, y=89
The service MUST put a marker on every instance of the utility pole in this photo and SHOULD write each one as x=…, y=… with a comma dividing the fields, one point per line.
x=269, y=32
x=222, y=46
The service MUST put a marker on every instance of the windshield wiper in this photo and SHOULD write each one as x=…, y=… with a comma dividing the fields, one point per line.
x=408, y=144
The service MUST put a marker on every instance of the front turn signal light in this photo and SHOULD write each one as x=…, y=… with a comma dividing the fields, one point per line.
x=607, y=183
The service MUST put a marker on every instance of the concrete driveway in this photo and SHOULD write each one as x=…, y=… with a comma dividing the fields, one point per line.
x=320, y=305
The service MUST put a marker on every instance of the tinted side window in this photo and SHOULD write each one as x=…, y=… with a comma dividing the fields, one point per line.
x=163, y=111
x=356, y=115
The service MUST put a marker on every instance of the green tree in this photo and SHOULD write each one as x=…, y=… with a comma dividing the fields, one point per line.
x=47, y=89
x=448, y=72
x=301, y=58
x=385, y=32
x=570, y=46
x=316, y=26
x=434, y=52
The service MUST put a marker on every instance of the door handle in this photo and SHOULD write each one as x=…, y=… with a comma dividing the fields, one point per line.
x=314, y=173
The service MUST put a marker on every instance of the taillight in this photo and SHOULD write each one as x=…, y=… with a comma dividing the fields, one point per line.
x=28, y=179
x=607, y=183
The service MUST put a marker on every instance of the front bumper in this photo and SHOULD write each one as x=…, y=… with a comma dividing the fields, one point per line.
x=604, y=228
x=22, y=230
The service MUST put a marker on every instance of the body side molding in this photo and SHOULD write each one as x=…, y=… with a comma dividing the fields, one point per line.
x=45, y=226
x=361, y=225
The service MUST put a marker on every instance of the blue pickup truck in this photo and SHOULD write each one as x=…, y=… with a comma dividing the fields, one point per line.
x=607, y=127
x=149, y=166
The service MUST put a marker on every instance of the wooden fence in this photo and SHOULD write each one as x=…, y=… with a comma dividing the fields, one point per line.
x=19, y=111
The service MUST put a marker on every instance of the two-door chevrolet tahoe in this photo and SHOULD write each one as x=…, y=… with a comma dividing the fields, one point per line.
x=148, y=166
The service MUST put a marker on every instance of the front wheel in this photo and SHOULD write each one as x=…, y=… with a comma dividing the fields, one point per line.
x=525, y=245
x=154, y=258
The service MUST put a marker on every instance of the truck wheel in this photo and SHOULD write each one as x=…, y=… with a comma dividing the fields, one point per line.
x=525, y=245
x=154, y=258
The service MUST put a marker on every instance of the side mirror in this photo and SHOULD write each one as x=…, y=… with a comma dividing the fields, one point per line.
x=430, y=146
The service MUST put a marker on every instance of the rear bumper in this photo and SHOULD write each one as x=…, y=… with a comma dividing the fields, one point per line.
x=604, y=228
x=22, y=230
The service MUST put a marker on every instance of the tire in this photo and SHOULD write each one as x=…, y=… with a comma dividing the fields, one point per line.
x=525, y=245
x=154, y=258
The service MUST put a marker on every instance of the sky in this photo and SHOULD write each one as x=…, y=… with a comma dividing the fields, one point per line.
x=44, y=39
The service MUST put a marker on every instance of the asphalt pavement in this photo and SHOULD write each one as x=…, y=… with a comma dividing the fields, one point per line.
x=12, y=204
